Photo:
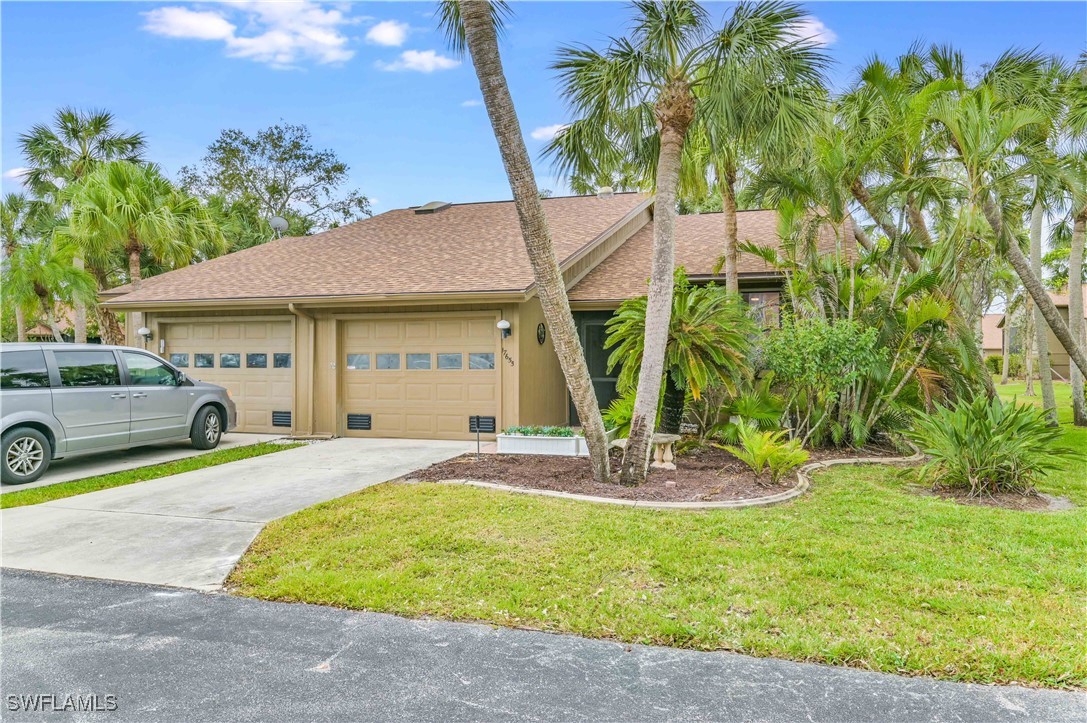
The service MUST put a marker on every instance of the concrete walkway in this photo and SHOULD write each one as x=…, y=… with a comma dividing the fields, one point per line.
x=66, y=470
x=172, y=655
x=188, y=530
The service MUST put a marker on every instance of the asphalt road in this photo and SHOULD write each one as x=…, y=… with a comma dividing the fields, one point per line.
x=169, y=654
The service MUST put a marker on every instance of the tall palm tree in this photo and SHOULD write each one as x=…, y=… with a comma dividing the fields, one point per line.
x=134, y=209
x=1075, y=130
x=40, y=275
x=61, y=154
x=474, y=25
x=992, y=148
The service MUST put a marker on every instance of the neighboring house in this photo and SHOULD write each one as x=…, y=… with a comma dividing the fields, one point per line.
x=389, y=326
x=1061, y=361
x=992, y=335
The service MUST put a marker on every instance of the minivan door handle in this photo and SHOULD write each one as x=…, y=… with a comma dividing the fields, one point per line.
x=139, y=395
x=117, y=395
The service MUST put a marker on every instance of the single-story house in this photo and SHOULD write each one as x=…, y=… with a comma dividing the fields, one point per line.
x=412, y=322
x=992, y=335
x=1060, y=361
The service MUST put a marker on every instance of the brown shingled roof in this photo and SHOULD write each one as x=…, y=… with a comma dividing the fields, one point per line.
x=699, y=244
x=472, y=247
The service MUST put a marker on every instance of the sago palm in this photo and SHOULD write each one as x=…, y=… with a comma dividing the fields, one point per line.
x=40, y=275
x=708, y=343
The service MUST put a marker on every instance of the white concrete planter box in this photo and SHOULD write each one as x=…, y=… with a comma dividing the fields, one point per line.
x=557, y=446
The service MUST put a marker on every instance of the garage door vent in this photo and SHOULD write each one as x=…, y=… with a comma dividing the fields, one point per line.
x=281, y=419
x=484, y=425
x=358, y=421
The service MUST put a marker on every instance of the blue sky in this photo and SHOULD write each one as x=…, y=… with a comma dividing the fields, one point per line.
x=374, y=81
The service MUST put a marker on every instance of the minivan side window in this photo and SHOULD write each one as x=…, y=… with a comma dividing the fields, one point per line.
x=88, y=368
x=23, y=370
x=144, y=371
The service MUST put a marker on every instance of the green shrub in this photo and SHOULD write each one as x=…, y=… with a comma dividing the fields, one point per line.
x=767, y=451
x=987, y=446
x=540, y=431
x=995, y=364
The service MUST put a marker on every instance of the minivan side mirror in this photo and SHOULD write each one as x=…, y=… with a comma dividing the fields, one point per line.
x=181, y=379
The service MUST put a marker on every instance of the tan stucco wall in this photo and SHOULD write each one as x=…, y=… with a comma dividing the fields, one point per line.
x=543, y=396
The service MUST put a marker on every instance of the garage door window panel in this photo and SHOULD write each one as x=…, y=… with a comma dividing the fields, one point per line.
x=232, y=360
x=418, y=361
x=481, y=360
x=281, y=360
x=256, y=361
x=451, y=361
x=358, y=362
x=179, y=360
x=387, y=362
x=204, y=361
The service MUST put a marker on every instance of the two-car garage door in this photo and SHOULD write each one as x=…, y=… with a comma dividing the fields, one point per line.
x=418, y=376
x=252, y=359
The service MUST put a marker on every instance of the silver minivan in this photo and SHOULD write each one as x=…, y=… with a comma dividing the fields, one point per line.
x=64, y=400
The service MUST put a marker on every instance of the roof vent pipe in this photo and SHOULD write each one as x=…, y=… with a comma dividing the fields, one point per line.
x=605, y=192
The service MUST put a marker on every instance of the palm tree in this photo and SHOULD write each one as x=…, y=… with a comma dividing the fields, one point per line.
x=990, y=143
x=62, y=154
x=17, y=216
x=40, y=275
x=708, y=342
x=474, y=25
x=134, y=209
x=1075, y=90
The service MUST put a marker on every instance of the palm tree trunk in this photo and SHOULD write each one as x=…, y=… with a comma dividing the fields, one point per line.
x=1034, y=287
x=482, y=42
x=1028, y=346
x=917, y=222
x=20, y=323
x=726, y=181
x=672, y=407
x=50, y=318
x=79, y=310
x=1075, y=312
x=675, y=111
x=864, y=198
x=1005, y=347
x=134, y=271
x=1045, y=370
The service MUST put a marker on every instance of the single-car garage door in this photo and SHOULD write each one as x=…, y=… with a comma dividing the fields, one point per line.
x=419, y=377
x=250, y=358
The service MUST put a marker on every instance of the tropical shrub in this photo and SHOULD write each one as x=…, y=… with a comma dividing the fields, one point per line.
x=754, y=403
x=988, y=446
x=995, y=364
x=531, y=431
x=708, y=341
x=767, y=451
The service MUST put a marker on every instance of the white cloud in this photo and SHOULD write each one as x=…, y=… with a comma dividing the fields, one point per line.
x=473, y=103
x=15, y=174
x=423, y=61
x=815, y=30
x=546, y=133
x=388, y=32
x=280, y=34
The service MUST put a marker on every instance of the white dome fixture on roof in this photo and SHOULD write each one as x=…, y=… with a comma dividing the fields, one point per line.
x=278, y=224
x=605, y=192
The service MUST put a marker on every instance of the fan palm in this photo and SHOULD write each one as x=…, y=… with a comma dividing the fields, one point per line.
x=61, y=154
x=18, y=217
x=40, y=275
x=708, y=343
x=133, y=207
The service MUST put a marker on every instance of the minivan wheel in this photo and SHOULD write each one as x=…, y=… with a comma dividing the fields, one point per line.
x=207, y=428
x=26, y=455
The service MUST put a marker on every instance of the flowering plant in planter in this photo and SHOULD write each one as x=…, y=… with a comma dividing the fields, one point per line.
x=560, y=441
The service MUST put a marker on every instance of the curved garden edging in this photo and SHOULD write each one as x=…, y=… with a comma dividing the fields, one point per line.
x=803, y=483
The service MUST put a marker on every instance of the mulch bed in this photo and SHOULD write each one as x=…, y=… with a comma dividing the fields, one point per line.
x=704, y=474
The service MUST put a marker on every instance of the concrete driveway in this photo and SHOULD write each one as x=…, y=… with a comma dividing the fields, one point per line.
x=66, y=470
x=188, y=530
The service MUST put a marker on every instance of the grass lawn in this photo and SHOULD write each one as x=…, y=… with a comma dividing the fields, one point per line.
x=140, y=474
x=860, y=572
